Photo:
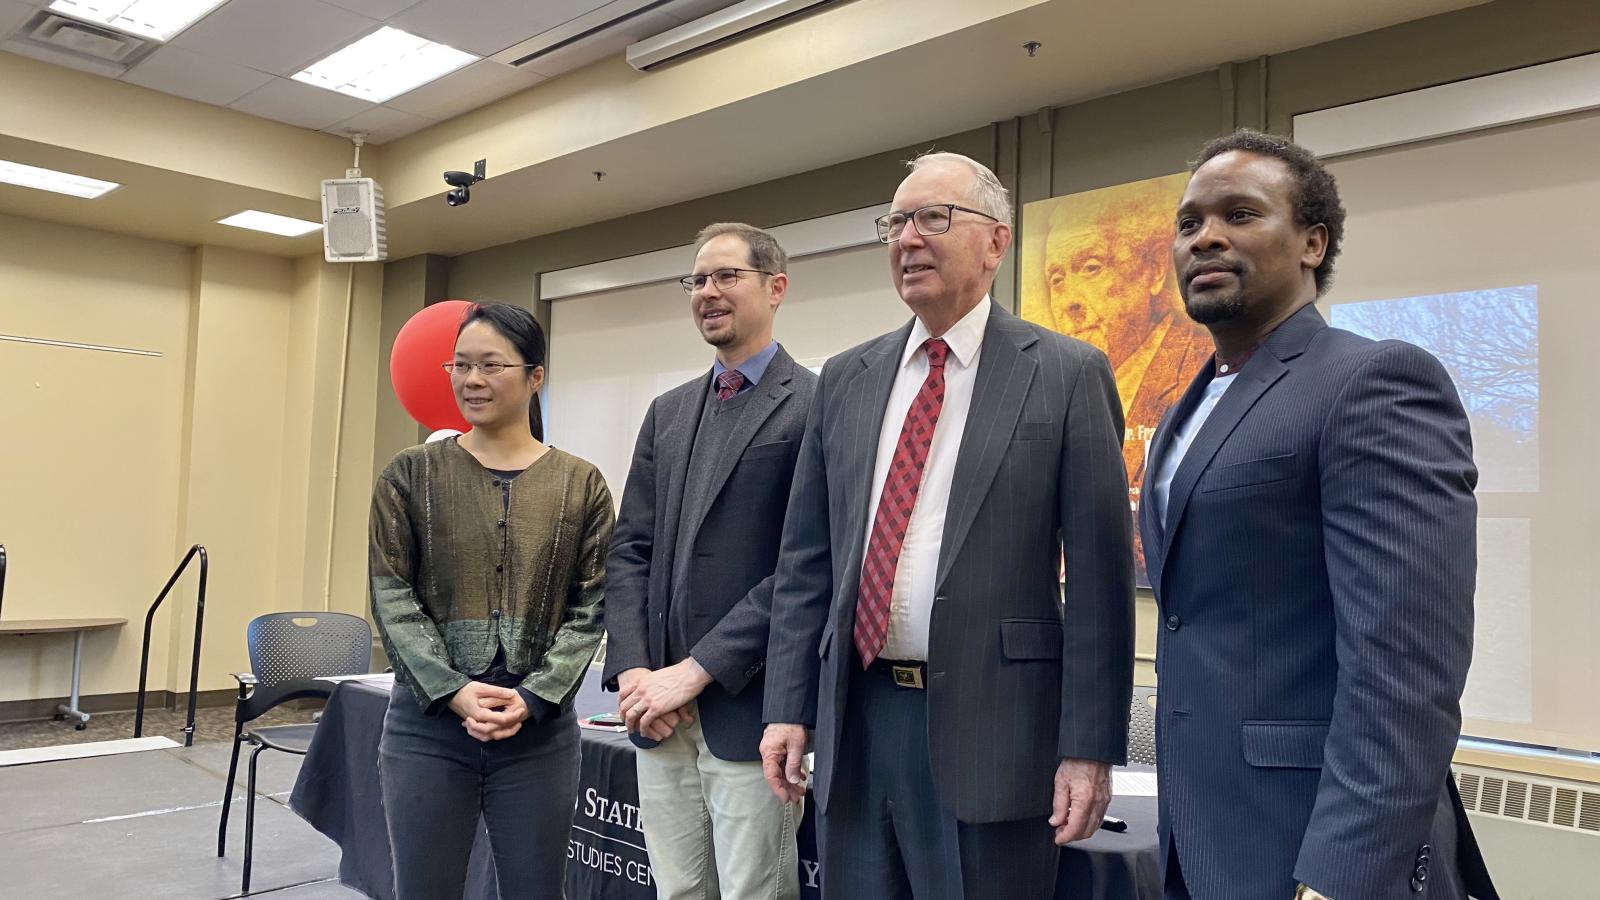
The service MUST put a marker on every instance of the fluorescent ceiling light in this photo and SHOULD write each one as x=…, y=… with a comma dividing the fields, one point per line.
x=384, y=64
x=158, y=19
x=256, y=220
x=51, y=180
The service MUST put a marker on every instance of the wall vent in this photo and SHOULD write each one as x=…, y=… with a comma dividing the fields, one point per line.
x=1567, y=805
x=64, y=40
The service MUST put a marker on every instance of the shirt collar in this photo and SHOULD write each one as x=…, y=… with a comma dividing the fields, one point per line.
x=965, y=338
x=752, y=369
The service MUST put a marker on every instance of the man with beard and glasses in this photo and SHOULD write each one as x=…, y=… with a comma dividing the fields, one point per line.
x=689, y=584
x=1310, y=530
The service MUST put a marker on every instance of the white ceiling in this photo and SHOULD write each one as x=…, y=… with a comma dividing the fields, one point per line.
x=241, y=55
x=677, y=134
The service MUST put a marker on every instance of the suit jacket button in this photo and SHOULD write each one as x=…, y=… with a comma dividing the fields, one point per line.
x=1174, y=623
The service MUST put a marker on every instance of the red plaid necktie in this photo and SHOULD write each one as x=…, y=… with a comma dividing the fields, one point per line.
x=728, y=383
x=894, y=507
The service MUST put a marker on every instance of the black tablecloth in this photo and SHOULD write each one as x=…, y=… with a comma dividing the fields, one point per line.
x=338, y=793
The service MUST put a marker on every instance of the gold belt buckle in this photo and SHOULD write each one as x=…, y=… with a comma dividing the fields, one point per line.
x=907, y=676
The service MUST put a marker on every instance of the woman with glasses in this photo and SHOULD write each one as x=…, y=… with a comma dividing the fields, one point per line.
x=486, y=559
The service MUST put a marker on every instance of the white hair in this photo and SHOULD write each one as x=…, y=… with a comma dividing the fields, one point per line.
x=989, y=196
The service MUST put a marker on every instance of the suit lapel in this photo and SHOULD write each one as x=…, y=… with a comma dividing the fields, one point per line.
x=1005, y=371
x=677, y=444
x=1159, y=445
x=1269, y=364
x=861, y=421
x=765, y=398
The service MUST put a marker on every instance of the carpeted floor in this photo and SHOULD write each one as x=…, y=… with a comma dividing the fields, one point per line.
x=213, y=724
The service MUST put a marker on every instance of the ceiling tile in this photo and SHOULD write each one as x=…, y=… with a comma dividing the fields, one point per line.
x=174, y=70
x=464, y=90
x=299, y=104
x=277, y=36
x=374, y=9
x=611, y=42
x=12, y=14
x=380, y=124
x=492, y=25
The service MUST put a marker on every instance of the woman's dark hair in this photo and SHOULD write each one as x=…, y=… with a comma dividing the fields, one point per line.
x=521, y=329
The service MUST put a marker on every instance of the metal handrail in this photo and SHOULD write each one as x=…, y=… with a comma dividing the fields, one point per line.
x=194, y=668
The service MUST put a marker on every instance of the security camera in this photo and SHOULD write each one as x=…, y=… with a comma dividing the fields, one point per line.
x=461, y=184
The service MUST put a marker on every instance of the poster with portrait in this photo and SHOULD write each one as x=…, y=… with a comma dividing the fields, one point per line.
x=1098, y=266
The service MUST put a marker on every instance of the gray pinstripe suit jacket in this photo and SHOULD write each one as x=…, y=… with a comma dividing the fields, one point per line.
x=1014, y=684
x=1315, y=575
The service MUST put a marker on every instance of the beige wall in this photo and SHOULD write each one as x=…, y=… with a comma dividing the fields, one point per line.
x=233, y=481
x=234, y=434
x=408, y=285
x=89, y=467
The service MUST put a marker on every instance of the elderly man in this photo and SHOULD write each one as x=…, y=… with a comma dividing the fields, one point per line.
x=965, y=720
x=689, y=584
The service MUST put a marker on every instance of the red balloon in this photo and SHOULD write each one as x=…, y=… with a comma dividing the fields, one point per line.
x=425, y=343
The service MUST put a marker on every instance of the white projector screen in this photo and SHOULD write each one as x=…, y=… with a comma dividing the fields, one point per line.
x=1481, y=249
x=612, y=353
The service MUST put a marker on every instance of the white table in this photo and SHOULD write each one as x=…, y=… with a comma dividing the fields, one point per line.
x=77, y=627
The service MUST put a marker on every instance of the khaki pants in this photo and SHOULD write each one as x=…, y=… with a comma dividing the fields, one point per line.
x=714, y=829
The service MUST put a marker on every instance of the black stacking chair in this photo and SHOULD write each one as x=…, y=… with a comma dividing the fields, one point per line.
x=1142, y=726
x=289, y=653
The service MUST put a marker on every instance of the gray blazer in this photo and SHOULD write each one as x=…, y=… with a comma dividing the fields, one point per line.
x=1315, y=574
x=733, y=524
x=1014, y=682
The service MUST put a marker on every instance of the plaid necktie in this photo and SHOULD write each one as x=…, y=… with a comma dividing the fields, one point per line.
x=894, y=507
x=729, y=383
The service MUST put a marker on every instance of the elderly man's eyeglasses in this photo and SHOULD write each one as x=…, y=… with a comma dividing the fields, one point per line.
x=489, y=369
x=724, y=279
x=929, y=221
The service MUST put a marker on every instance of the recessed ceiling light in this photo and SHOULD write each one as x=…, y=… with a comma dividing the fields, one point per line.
x=271, y=223
x=159, y=19
x=51, y=180
x=384, y=64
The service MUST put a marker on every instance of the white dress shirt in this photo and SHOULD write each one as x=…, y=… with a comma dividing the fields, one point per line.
x=1182, y=437
x=911, y=604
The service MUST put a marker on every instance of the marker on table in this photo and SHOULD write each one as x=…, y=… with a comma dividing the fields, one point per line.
x=1112, y=823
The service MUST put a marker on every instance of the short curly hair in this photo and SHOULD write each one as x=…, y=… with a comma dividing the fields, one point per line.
x=1316, y=194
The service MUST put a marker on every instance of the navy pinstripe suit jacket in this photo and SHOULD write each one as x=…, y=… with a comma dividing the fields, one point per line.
x=1315, y=576
x=1014, y=684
